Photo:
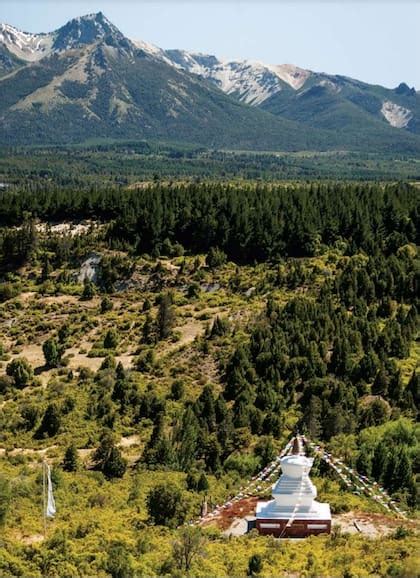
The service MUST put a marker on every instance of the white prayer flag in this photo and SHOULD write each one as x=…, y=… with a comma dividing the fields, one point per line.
x=50, y=509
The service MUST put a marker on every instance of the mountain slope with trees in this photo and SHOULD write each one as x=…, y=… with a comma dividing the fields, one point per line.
x=86, y=81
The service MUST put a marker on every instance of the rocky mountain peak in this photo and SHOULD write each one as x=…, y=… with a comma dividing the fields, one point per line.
x=88, y=29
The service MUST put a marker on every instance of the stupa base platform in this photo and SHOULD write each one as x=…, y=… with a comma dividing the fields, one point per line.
x=274, y=521
x=297, y=529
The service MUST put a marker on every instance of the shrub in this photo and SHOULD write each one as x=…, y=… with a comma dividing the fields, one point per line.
x=166, y=505
x=146, y=305
x=220, y=327
x=106, y=304
x=146, y=360
x=21, y=371
x=6, y=382
x=8, y=291
x=254, y=565
x=215, y=258
x=177, y=390
x=193, y=291
x=202, y=484
x=119, y=561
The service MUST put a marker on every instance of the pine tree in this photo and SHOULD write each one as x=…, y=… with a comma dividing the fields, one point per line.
x=188, y=439
x=166, y=317
x=50, y=423
x=88, y=290
x=111, y=339
x=52, y=352
x=5, y=499
x=380, y=460
x=71, y=459
x=108, y=458
x=205, y=408
x=313, y=418
x=364, y=461
x=381, y=383
x=411, y=395
x=403, y=472
x=202, y=484
x=148, y=330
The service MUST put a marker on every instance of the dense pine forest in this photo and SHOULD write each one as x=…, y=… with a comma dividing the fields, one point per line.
x=249, y=223
x=217, y=319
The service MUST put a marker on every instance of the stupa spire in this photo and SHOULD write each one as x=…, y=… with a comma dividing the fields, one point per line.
x=296, y=450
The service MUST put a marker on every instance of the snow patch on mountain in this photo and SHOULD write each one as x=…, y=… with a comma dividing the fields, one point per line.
x=24, y=45
x=251, y=82
x=153, y=51
x=78, y=32
x=395, y=114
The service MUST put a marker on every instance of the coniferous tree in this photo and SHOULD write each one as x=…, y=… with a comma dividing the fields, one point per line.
x=381, y=383
x=50, y=423
x=364, y=461
x=380, y=460
x=71, y=459
x=202, y=483
x=188, y=439
x=52, y=352
x=411, y=395
x=5, y=499
x=111, y=339
x=166, y=316
x=108, y=458
x=88, y=290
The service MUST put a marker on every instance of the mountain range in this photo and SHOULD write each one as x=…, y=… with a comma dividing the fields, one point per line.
x=87, y=81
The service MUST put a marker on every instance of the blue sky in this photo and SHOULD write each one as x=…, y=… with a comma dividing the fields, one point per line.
x=377, y=41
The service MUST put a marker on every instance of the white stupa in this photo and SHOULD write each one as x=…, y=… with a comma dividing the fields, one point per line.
x=293, y=511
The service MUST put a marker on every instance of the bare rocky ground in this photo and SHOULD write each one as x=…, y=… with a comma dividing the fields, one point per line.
x=233, y=521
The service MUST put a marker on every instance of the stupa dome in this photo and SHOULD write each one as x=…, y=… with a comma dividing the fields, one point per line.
x=295, y=466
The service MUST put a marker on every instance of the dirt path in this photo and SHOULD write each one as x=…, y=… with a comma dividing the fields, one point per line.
x=26, y=451
x=189, y=332
x=370, y=524
x=94, y=363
